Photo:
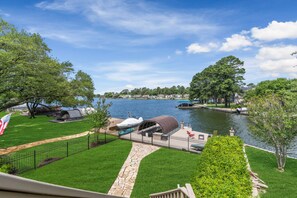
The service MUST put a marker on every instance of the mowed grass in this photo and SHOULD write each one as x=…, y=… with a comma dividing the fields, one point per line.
x=163, y=170
x=22, y=130
x=94, y=169
x=279, y=184
x=54, y=150
x=232, y=106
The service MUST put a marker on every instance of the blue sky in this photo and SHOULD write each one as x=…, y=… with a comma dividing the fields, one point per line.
x=129, y=44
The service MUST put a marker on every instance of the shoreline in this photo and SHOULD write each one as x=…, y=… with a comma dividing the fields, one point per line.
x=226, y=110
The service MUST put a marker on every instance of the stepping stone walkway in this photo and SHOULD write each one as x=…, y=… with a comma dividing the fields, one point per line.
x=124, y=183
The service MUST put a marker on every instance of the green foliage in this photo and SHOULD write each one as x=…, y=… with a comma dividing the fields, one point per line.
x=222, y=171
x=221, y=80
x=100, y=117
x=152, y=92
x=274, y=121
x=28, y=74
x=8, y=168
x=279, y=87
x=82, y=90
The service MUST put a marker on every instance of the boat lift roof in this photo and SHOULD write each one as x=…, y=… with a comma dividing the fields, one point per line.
x=167, y=124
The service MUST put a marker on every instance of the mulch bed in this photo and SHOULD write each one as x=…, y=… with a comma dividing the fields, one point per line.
x=48, y=161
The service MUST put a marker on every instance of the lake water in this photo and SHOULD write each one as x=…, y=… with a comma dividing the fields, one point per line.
x=202, y=120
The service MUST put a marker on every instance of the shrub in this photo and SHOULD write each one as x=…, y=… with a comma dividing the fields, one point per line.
x=8, y=168
x=222, y=171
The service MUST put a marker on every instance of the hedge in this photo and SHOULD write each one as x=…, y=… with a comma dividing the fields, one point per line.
x=222, y=171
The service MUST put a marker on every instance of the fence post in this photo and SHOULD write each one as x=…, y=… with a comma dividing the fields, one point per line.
x=88, y=142
x=169, y=142
x=35, y=160
x=152, y=139
x=105, y=137
x=188, y=143
x=67, y=147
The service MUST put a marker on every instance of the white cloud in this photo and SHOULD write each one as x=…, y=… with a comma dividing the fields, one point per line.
x=129, y=86
x=235, y=42
x=278, y=60
x=137, y=74
x=178, y=52
x=137, y=17
x=5, y=14
x=276, y=30
x=76, y=37
x=196, y=48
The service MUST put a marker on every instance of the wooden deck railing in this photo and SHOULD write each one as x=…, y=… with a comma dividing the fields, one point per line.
x=17, y=187
x=179, y=192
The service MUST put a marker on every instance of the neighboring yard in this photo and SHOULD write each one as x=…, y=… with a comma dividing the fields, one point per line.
x=95, y=169
x=22, y=130
x=279, y=184
x=24, y=160
x=163, y=170
x=232, y=106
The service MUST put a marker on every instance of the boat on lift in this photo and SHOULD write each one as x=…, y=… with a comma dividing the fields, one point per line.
x=130, y=122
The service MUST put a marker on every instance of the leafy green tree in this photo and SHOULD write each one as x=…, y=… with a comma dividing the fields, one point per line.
x=27, y=73
x=230, y=73
x=100, y=117
x=223, y=79
x=83, y=89
x=125, y=92
x=278, y=86
x=274, y=121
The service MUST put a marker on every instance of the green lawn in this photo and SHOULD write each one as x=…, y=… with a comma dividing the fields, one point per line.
x=232, y=105
x=94, y=169
x=279, y=184
x=53, y=150
x=163, y=170
x=22, y=130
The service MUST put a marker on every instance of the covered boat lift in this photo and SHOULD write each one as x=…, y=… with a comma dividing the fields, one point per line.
x=70, y=115
x=163, y=125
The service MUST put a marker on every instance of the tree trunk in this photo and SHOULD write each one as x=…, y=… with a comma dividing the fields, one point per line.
x=226, y=101
x=216, y=101
x=281, y=156
x=31, y=110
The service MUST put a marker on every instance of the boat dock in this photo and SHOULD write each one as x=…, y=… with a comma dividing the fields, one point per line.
x=178, y=140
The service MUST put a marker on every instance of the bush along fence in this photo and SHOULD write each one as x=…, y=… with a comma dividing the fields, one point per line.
x=222, y=171
x=33, y=158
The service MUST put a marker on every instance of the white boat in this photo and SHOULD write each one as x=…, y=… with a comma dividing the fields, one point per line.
x=130, y=122
x=241, y=110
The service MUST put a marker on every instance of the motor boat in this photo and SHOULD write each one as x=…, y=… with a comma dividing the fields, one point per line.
x=241, y=110
x=130, y=122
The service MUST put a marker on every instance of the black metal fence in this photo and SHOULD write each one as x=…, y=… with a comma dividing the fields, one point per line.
x=181, y=143
x=25, y=160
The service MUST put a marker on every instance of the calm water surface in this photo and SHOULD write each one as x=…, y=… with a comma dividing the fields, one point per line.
x=200, y=119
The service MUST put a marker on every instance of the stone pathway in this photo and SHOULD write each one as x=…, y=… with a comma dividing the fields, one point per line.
x=124, y=183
